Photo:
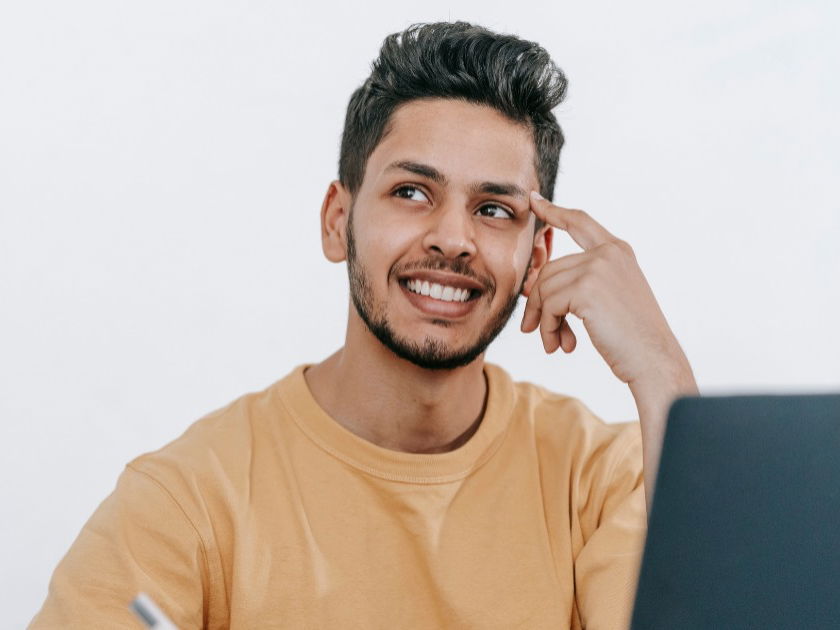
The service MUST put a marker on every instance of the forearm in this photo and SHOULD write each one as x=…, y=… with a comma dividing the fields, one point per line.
x=654, y=395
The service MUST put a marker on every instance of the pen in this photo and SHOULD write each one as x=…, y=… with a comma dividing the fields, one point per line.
x=150, y=614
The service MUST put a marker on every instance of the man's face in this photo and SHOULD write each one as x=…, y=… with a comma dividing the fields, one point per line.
x=440, y=236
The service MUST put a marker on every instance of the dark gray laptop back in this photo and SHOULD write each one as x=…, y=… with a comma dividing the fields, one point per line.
x=744, y=531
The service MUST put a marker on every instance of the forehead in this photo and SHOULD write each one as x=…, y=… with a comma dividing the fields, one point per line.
x=465, y=141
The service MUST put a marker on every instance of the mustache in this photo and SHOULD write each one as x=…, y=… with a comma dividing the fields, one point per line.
x=456, y=266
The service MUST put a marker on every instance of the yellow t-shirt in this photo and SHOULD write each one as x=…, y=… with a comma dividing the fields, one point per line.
x=269, y=514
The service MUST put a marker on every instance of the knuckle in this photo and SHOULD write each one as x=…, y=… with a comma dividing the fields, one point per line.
x=587, y=283
x=599, y=264
x=615, y=250
x=578, y=215
x=552, y=308
x=625, y=248
x=584, y=284
x=550, y=325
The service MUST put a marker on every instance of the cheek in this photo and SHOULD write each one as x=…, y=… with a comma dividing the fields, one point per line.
x=510, y=254
x=524, y=246
x=391, y=234
x=383, y=242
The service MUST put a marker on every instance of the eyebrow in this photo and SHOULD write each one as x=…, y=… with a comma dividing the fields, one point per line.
x=498, y=188
x=430, y=172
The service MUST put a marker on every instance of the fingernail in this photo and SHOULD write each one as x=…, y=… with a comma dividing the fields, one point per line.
x=536, y=196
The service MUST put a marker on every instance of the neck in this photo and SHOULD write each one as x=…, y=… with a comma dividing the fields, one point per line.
x=394, y=403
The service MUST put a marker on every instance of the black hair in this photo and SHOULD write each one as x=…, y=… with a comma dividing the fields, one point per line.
x=462, y=61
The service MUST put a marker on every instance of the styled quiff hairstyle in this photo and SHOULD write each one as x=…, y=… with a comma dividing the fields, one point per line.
x=462, y=61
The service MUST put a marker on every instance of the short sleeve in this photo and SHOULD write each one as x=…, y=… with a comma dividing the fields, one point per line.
x=606, y=568
x=138, y=540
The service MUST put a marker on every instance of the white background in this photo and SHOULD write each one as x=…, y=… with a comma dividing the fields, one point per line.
x=162, y=165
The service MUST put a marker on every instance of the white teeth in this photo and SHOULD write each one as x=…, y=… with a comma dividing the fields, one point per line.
x=438, y=291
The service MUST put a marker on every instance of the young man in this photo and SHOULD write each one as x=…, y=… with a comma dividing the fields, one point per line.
x=403, y=482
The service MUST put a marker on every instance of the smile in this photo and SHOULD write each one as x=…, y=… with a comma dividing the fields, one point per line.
x=437, y=291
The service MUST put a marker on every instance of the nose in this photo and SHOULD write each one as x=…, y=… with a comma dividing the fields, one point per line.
x=451, y=232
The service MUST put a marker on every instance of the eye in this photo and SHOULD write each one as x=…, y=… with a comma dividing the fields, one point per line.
x=494, y=212
x=409, y=192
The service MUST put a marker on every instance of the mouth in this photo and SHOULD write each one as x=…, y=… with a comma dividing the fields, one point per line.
x=440, y=294
x=438, y=291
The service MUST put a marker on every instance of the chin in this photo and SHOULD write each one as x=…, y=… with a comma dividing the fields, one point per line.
x=430, y=352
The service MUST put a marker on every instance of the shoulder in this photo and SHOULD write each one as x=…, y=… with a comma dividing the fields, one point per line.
x=570, y=439
x=598, y=465
x=556, y=417
x=215, y=454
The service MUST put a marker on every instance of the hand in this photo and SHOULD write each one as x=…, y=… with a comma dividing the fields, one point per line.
x=606, y=289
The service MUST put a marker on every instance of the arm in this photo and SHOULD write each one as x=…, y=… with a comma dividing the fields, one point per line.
x=653, y=396
x=139, y=539
x=613, y=525
x=604, y=286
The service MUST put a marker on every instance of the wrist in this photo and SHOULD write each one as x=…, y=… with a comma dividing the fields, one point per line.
x=665, y=381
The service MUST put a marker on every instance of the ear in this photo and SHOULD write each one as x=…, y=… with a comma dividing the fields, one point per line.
x=335, y=212
x=540, y=255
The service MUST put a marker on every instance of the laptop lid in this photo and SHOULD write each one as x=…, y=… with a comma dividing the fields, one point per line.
x=744, y=531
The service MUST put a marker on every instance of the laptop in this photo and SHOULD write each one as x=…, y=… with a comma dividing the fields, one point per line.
x=744, y=531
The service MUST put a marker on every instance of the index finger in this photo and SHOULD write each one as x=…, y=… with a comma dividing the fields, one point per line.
x=583, y=229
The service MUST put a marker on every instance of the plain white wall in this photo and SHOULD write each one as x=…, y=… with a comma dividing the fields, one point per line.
x=162, y=166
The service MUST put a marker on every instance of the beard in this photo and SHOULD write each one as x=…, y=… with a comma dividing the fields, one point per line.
x=432, y=353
